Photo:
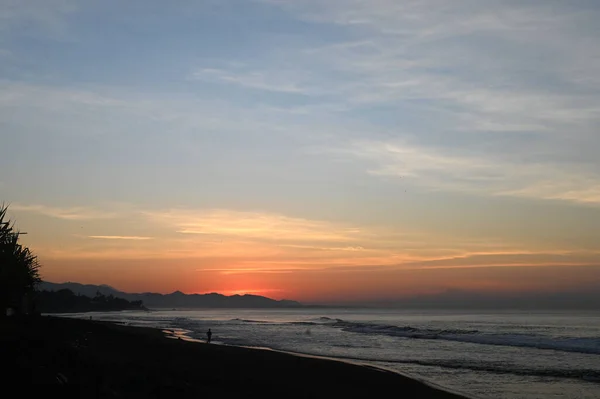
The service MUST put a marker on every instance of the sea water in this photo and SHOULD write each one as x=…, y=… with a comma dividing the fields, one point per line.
x=509, y=355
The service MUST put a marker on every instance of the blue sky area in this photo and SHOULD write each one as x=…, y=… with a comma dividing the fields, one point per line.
x=339, y=133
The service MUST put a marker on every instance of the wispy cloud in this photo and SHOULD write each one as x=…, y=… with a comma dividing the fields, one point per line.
x=263, y=242
x=509, y=259
x=77, y=113
x=134, y=238
x=254, y=240
x=74, y=213
x=248, y=271
x=20, y=94
x=252, y=79
x=447, y=169
x=476, y=78
x=29, y=16
x=352, y=249
x=472, y=260
x=252, y=291
x=485, y=98
x=473, y=54
x=258, y=225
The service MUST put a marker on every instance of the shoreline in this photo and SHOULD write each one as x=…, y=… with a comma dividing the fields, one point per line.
x=171, y=334
x=83, y=358
x=359, y=363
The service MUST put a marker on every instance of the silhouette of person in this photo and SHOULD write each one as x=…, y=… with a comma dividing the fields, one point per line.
x=208, y=336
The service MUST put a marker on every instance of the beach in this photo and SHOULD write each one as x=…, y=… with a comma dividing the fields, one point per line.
x=84, y=358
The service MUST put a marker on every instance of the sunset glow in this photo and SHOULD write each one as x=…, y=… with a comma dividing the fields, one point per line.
x=325, y=152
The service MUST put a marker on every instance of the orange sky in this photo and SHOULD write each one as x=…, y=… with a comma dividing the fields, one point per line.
x=231, y=252
x=320, y=151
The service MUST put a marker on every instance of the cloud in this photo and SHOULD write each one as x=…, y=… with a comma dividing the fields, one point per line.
x=78, y=113
x=45, y=17
x=16, y=94
x=509, y=259
x=484, y=98
x=260, y=240
x=467, y=79
x=255, y=291
x=134, y=238
x=251, y=79
x=74, y=213
x=234, y=242
x=352, y=249
x=447, y=169
x=467, y=260
x=509, y=171
x=248, y=271
x=254, y=225
x=481, y=56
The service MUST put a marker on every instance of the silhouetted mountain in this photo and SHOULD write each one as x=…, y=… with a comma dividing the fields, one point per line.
x=176, y=299
x=81, y=289
x=66, y=301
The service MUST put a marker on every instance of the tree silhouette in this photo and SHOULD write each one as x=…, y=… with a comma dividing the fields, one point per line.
x=65, y=301
x=19, y=267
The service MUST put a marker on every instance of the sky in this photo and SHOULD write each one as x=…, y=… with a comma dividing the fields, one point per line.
x=322, y=151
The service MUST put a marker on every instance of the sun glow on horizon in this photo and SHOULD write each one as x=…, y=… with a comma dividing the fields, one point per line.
x=241, y=292
x=426, y=148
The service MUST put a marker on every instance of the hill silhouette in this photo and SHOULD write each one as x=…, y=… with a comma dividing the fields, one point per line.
x=66, y=301
x=176, y=299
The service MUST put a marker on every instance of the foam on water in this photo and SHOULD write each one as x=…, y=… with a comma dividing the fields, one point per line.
x=569, y=344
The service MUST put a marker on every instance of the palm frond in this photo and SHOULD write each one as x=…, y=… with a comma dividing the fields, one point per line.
x=19, y=267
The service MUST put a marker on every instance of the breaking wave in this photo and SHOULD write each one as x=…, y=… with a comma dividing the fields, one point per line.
x=590, y=345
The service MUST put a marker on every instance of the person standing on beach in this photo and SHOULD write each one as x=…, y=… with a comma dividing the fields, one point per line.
x=208, y=336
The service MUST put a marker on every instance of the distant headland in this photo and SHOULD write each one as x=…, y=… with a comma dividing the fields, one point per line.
x=176, y=299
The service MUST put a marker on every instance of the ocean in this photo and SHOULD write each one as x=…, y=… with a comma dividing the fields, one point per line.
x=507, y=355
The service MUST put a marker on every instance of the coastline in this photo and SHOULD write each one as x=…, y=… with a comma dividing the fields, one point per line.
x=83, y=358
x=173, y=334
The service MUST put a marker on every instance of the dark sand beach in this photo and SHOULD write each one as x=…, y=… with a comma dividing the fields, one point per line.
x=88, y=359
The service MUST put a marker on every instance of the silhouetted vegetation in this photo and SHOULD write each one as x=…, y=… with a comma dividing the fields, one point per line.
x=65, y=301
x=19, y=268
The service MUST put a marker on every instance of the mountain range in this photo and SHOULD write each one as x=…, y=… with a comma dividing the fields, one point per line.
x=450, y=299
x=176, y=299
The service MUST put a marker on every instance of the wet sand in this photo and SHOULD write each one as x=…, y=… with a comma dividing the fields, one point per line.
x=89, y=359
